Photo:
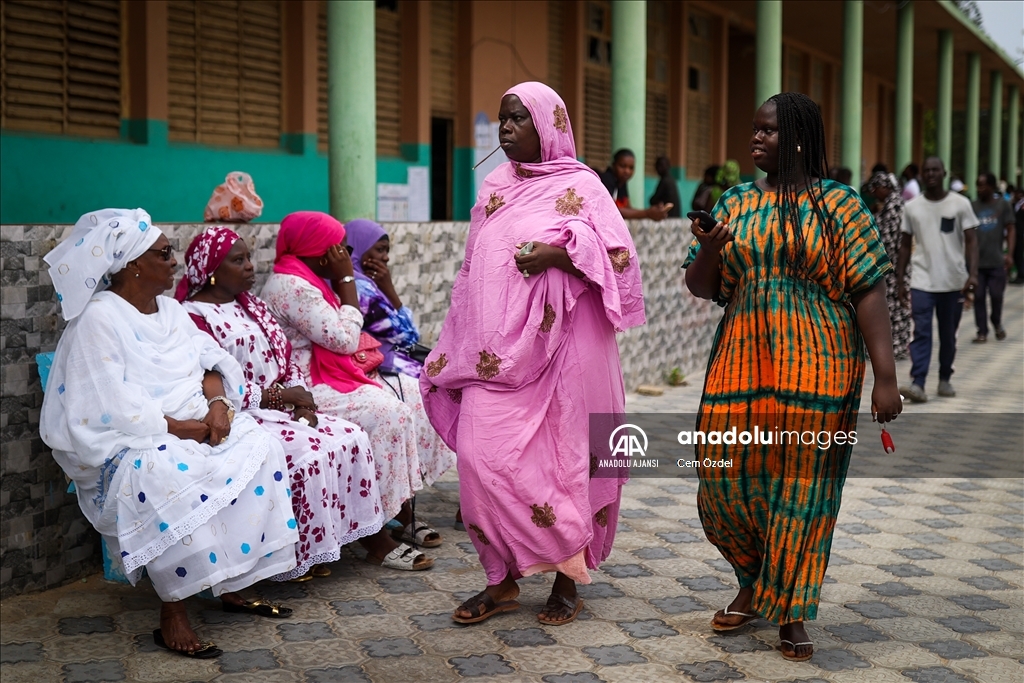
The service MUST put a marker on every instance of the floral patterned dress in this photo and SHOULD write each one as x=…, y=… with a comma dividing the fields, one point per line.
x=407, y=451
x=331, y=468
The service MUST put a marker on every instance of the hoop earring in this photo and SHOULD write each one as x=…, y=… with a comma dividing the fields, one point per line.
x=323, y=261
x=213, y=280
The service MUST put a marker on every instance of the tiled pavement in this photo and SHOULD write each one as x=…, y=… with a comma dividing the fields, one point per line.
x=925, y=585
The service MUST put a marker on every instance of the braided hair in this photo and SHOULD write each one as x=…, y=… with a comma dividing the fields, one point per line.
x=799, y=121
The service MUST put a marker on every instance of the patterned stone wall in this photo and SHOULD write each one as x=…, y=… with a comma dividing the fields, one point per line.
x=45, y=541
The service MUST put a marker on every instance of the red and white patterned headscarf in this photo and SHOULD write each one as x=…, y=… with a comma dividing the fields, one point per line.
x=202, y=259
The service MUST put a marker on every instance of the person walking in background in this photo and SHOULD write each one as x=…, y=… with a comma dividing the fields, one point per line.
x=884, y=189
x=995, y=225
x=796, y=260
x=942, y=224
x=1018, y=243
x=866, y=195
x=911, y=187
x=702, y=197
x=728, y=175
x=615, y=179
x=526, y=353
x=667, y=192
x=841, y=174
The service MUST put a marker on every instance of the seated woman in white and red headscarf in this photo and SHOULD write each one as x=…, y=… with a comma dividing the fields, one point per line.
x=334, y=483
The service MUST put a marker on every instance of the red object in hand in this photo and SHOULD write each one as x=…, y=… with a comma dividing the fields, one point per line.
x=887, y=444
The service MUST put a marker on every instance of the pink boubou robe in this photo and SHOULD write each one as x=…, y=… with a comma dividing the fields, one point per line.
x=522, y=362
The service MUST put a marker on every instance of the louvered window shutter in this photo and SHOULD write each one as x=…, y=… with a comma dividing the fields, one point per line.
x=389, y=83
x=442, y=57
x=597, y=85
x=656, y=143
x=61, y=67
x=388, y=73
x=698, y=105
x=224, y=72
x=556, y=55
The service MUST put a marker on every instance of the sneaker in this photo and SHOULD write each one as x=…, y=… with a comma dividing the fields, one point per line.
x=1000, y=333
x=915, y=393
x=946, y=389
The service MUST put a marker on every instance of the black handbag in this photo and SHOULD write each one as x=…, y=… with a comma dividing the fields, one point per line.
x=418, y=352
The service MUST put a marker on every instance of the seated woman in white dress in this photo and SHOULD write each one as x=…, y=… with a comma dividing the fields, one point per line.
x=218, y=276
x=139, y=413
x=324, y=325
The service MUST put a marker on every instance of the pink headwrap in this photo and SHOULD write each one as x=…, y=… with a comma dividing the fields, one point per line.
x=311, y=233
x=202, y=259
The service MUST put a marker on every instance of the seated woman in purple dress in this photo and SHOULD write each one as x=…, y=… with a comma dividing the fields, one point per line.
x=384, y=316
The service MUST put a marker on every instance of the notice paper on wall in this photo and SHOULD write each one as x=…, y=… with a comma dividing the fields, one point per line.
x=410, y=201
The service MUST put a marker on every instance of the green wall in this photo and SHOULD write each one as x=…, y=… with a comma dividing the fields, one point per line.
x=55, y=179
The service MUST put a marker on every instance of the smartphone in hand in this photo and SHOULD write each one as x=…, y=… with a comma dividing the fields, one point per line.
x=705, y=219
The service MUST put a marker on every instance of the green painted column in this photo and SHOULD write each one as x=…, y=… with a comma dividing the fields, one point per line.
x=944, y=104
x=768, y=54
x=853, y=86
x=995, y=125
x=1012, y=141
x=629, y=87
x=352, y=109
x=904, y=129
x=973, y=117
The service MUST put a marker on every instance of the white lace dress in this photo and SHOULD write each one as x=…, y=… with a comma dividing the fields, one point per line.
x=334, y=490
x=407, y=450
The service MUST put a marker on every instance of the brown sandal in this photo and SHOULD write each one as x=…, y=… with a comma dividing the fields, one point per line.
x=558, y=602
x=490, y=608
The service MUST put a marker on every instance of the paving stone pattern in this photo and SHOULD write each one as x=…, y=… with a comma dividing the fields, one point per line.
x=44, y=538
x=908, y=601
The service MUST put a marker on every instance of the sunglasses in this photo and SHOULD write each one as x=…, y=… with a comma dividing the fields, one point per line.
x=166, y=253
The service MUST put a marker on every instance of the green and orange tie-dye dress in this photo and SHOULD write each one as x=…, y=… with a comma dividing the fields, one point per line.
x=788, y=356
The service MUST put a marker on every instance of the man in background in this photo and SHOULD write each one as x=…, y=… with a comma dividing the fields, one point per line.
x=667, y=192
x=940, y=225
x=996, y=225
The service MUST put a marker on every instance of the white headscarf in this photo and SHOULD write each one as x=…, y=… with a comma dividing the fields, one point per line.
x=101, y=244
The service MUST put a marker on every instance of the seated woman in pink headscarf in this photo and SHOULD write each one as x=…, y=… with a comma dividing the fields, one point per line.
x=334, y=488
x=312, y=294
x=527, y=353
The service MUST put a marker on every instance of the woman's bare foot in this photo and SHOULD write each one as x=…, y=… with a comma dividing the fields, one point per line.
x=175, y=629
x=233, y=599
x=796, y=644
x=506, y=591
x=379, y=544
x=739, y=612
x=564, y=604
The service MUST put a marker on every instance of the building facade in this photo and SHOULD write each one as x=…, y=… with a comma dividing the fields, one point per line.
x=152, y=103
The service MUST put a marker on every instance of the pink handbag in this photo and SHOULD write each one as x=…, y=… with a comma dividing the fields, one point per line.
x=234, y=201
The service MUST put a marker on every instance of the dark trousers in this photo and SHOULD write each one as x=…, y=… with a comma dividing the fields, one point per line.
x=946, y=307
x=993, y=282
x=1018, y=249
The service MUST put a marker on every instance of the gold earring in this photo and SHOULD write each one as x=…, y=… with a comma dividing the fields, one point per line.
x=323, y=261
x=213, y=280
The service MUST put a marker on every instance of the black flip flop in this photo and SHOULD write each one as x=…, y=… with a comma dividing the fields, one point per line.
x=260, y=608
x=207, y=650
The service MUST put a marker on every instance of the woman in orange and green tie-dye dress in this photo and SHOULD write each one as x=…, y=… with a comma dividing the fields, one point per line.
x=797, y=262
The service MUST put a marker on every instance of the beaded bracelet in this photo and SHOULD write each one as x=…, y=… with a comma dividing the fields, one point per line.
x=274, y=400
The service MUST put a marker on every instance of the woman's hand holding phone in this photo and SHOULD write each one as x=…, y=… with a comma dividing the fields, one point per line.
x=716, y=237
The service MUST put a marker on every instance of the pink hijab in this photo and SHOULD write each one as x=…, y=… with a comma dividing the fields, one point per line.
x=311, y=233
x=502, y=329
x=202, y=259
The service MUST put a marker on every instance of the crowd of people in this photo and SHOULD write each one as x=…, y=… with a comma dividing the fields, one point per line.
x=220, y=437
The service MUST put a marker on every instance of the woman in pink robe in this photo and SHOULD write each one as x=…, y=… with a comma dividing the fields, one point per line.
x=527, y=353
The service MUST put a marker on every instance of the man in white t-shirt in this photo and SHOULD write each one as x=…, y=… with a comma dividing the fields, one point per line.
x=945, y=262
